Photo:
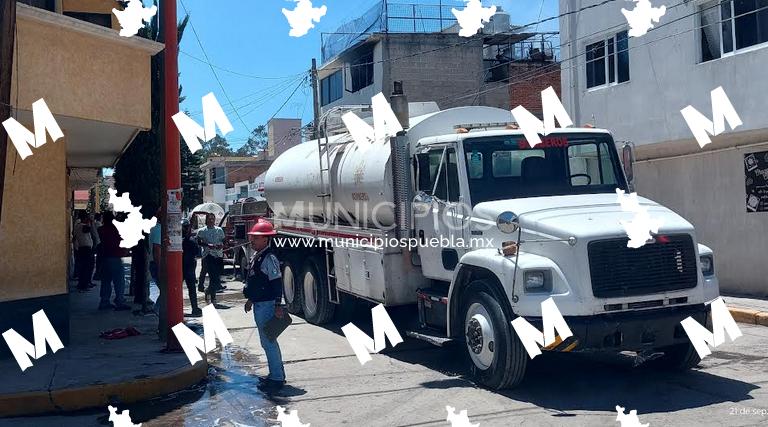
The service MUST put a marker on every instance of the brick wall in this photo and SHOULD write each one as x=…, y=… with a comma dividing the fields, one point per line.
x=238, y=173
x=527, y=82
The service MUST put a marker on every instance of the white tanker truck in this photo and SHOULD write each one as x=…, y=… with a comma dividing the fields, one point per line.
x=545, y=224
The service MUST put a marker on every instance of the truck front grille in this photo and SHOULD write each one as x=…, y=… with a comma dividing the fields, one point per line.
x=617, y=271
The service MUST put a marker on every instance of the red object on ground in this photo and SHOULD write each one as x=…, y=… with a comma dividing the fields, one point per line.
x=172, y=166
x=262, y=228
x=119, y=333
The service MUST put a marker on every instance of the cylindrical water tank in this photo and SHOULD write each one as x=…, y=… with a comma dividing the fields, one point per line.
x=360, y=182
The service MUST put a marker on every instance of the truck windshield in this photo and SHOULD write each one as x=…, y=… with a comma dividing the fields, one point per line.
x=507, y=167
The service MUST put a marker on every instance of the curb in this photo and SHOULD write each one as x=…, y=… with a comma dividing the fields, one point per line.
x=101, y=395
x=752, y=317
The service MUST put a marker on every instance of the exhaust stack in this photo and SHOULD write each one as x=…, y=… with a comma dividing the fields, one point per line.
x=399, y=103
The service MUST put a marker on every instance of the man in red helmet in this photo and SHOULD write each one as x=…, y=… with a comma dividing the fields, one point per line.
x=264, y=290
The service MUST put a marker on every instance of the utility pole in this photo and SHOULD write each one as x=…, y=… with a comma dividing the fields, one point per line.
x=315, y=101
x=171, y=197
x=7, y=40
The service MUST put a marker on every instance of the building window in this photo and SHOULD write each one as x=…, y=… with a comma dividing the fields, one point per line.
x=608, y=61
x=217, y=176
x=332, y=88
x=362, y=71
x=243, y=192
x=42, y=4
x=731, y=25
x=101, y=19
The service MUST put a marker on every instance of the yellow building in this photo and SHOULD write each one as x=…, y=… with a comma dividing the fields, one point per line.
x=97, y=85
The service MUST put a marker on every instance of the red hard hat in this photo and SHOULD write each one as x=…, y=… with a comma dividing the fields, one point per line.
x=262, y=228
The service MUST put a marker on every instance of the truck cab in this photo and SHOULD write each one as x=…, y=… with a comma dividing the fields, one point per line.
x=556, y=204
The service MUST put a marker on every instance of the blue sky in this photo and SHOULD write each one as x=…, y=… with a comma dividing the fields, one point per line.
x=249, y=38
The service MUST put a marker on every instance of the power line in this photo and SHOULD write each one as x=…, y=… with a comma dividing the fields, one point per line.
x=237, y=73
x=208, y=61
x=536, y=73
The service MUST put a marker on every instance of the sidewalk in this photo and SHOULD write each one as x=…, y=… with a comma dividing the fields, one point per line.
x=748, y=310
x=91, y=371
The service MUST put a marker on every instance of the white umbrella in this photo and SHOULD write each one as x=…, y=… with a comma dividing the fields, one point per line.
x=207, y=208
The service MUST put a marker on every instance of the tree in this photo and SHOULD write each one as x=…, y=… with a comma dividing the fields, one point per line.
x=257, y=142
x=192, y=177
x=143, y=154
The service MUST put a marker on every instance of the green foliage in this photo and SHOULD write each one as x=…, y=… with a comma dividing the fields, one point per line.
x=217, y=146
x=138, y=171
x=192, y=177
x=257, y=142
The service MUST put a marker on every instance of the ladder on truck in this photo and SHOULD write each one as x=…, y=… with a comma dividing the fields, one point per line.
x=324, y=147
x=324, y=155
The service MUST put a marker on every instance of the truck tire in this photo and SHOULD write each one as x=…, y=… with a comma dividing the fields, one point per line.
x=497, y=357
x=291, y=289
x=679, y=357
x=318, y=309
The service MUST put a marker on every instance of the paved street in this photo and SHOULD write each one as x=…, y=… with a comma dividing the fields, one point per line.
x=411, y=385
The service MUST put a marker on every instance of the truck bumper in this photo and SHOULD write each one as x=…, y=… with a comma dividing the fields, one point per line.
x=628, y=331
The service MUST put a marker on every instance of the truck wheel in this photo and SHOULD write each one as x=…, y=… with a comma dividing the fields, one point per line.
x=291, y=288
x=498, y=358
x=318, y=309
x=679, y=357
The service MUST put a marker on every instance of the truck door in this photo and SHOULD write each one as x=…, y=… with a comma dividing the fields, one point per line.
x=437, y=216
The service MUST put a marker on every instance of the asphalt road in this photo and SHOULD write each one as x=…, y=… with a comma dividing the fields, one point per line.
x=411, y=384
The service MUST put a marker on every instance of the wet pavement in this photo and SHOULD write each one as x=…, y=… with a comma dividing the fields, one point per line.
x=227, y=398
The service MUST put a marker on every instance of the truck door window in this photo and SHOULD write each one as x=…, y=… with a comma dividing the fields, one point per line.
x=447, y=188
x=590, y=164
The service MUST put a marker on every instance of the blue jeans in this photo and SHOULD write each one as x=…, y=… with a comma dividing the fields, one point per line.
x=262, y=313
x=112, y=273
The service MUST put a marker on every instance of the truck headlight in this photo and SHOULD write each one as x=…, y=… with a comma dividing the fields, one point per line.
x=537, y=281
x=707, y=265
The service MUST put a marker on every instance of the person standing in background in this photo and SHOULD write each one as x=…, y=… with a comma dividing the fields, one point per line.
x=83, y=243
x=211, y=238
x=113, y=272
x=189, y=264
x=97, y=244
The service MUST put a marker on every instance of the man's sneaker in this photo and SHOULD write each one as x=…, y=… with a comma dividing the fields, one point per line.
x=106, y=306
x=122, y=307
x=270, y=385
x=196, y=312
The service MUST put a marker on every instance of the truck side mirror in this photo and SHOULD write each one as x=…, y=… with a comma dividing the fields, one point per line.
x=627, y=161
x=508, y=222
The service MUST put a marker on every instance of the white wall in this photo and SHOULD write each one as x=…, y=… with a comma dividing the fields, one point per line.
x=666, y=75
x=706, y=186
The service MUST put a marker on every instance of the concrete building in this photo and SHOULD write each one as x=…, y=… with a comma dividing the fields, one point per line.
x=222, y=173
x=636, y=87
x=97, y=86
x=282, y=135
x=419, y=45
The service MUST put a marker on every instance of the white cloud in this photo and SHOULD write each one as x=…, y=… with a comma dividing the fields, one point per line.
x=458, y=420
x=289, y=420
x=132, y=16
x=122, y=419
x=134, y=225
x=628, y=420
x=300, y=19
x=639, y=229
x=641, y=18
x=471, y=18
